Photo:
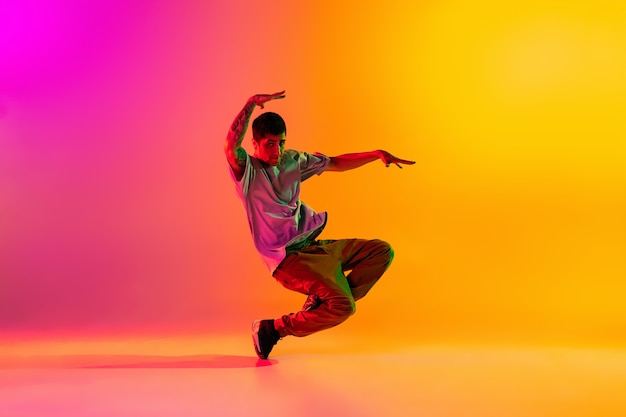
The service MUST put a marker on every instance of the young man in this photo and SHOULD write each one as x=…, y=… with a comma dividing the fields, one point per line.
x=284, y=229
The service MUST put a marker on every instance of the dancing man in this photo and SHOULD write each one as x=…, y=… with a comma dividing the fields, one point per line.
x=285, y=230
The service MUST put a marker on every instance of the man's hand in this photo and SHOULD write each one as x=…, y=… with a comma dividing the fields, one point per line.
x=389, y=159
x=261, y=99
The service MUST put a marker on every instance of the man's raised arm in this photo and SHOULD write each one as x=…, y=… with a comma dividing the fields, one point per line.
x=235, y=154
x=354, y=160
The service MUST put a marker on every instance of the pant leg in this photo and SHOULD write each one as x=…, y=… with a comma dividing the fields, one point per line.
x=367, y=260
x=314, y=271
x=320, y=270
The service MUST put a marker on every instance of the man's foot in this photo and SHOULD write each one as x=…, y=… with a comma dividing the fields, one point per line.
x=312, y=301
x=264, y=337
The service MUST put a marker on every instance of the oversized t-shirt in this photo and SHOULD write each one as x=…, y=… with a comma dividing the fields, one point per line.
x=271, y=198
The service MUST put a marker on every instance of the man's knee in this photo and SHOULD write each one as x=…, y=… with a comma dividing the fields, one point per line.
x=384, y=250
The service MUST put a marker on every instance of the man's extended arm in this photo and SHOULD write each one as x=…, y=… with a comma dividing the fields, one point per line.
x=349, y=161
x=235, y=154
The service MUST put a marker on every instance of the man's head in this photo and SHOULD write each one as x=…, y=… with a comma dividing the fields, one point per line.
x=268, y=134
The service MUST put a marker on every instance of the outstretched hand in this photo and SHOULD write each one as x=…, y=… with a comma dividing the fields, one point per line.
x=389, y=159
x=261, y=99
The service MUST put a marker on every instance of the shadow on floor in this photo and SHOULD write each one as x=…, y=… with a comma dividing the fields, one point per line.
x=131, y=361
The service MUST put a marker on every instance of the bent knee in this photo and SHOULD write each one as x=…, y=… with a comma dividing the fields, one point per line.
x=385, y=250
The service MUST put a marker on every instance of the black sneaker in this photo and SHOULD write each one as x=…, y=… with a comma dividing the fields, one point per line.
x=312, y=301
x=264, y=337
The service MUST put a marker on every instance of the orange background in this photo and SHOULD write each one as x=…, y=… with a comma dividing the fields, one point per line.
x=117, y=213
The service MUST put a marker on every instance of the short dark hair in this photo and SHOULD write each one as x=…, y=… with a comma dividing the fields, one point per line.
x=268, y=123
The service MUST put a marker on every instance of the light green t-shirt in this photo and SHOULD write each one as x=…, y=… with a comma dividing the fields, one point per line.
x=271, y=198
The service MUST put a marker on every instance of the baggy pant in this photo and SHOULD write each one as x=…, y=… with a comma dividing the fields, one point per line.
x=320, y=269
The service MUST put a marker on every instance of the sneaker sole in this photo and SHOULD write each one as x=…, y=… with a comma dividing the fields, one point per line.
x=255, y=338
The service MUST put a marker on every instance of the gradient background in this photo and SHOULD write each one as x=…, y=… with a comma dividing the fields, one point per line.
x=117, y=213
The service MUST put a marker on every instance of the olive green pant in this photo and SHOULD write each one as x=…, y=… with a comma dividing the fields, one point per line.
x=320, y=269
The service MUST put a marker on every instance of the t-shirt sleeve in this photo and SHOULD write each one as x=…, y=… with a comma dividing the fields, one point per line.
x=243, y=184
x=311, y=164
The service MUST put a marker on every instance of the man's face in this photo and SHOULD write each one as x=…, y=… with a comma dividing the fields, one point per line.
x=270, y=149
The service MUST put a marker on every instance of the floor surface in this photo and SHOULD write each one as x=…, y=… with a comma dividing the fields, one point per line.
x=209, y=377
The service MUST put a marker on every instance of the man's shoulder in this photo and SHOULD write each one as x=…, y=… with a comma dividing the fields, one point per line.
x=290, y=158
x=291, y=153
